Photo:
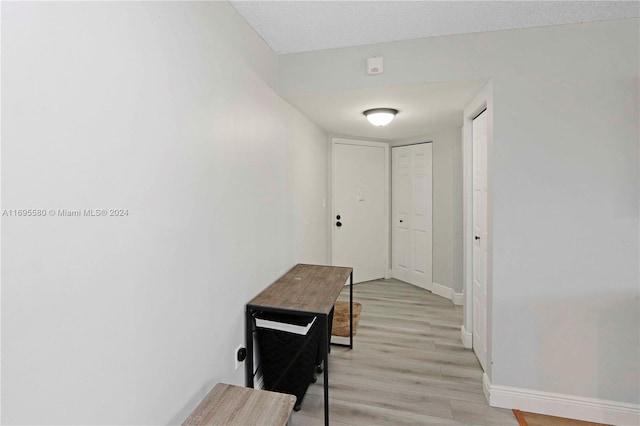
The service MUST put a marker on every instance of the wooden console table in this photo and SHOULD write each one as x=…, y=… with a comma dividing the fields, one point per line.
x=304, y=290
x=228, y=405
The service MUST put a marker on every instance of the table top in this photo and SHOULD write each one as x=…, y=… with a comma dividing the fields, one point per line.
x=237, y=406
x=305, y=288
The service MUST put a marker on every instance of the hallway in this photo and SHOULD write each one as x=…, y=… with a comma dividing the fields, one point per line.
x=408, y=366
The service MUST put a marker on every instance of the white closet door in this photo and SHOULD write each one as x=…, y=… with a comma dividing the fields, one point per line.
x=412, y=214
x=480, y=238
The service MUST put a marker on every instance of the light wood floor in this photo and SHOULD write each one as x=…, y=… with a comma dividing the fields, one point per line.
x=408, y=366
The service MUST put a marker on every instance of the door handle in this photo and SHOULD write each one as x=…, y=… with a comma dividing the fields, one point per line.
x=338, y=224
x=400, y=220
x=477, y=238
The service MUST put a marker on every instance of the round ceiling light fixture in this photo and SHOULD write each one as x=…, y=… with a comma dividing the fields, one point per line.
x=380, y=116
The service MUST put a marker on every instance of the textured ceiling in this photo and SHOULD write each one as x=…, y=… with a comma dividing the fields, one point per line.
x=299, y=26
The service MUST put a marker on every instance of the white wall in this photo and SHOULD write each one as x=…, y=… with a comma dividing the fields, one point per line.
x=447, y=205
x=565, y=190
x=307, y=159
x=167, y=110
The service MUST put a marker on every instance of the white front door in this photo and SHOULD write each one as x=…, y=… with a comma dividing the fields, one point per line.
x=412, y=214
x=480, y=238
x=360, y=219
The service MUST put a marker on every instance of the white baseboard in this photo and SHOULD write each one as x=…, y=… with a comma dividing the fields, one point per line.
x=447, y=292
x=486, y=387
x=389, y=274
x=441, y=290
x=467, y=338
x=562, y=405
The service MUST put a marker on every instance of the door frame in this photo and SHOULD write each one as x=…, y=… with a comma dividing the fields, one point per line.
x=482, y=101
x=387, y=191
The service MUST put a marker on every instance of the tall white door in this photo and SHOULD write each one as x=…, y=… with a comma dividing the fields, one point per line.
x=412, y=232
x=359, y=220
x=480, y=238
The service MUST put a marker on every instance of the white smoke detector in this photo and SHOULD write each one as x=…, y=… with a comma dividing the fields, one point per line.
x=375, y=65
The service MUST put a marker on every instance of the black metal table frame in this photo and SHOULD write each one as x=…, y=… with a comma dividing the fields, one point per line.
x=326, y=341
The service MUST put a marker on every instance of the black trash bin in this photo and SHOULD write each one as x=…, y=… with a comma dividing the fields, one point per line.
x=288, y=347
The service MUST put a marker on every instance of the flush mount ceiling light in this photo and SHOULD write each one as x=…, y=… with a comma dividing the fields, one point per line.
x=380, y=116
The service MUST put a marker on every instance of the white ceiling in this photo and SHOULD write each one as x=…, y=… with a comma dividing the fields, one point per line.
x=299, y=26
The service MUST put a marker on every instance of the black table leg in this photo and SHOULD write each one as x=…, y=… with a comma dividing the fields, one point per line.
x=351, y=310
x=248, y=336
x=325, y=345
x=350, y=344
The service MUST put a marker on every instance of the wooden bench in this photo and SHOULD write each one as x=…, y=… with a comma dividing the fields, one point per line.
x=228, y=405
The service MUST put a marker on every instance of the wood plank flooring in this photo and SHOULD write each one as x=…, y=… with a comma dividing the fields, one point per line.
x=408, y=366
